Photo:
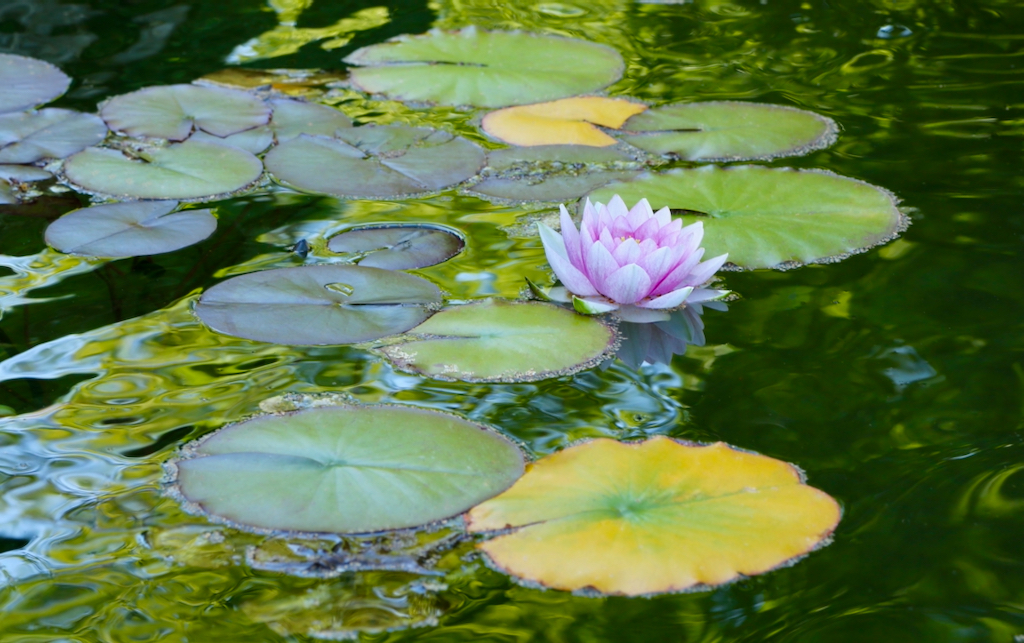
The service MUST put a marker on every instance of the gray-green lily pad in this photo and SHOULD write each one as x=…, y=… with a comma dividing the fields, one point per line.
x=132, y=229
x=290, y=119
x=346, y=469
x=27, y=137
x=552, y=172
x=173, y=111
x=771, y=217
x=375, y=161
x=23, y=173
x=398, y=247
x=483, y=68
x=318, y=305
x=7, y=193
x=28, y=82
x=728, y=131
x=189, y=170
x=502, y=341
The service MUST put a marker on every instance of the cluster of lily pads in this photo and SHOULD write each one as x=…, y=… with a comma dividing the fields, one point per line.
x=663, y=514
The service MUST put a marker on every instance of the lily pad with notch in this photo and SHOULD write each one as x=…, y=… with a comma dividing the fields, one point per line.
x=503, y=341
x=51, y=133
x=728, y=131
x=182, y=171
x=398, y=247
x=771, y=217
x=290, y=119
x=318, y=305
x=375, y=161
x=173, y=111
x=483, y=68
x=345, y=469
x=132, y=229
x=552, y=172
x=28, y=82
x=653, y=517
x=568, y=121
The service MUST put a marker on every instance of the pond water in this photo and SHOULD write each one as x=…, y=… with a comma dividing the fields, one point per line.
x=894, y=379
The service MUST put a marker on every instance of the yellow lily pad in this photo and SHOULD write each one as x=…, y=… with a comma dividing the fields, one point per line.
x=569, y=121
x=652, y=517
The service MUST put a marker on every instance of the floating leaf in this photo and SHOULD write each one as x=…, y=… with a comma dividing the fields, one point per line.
x=28, y=137
x=172, y=111
x=347, y=469
x=129, y=229
x=569, y=121
x=483, y=68
x=651, y=517
x=253, y=140
x=398, y=247
x=23, y=173
x=290, y=119
x=765, y=217
x=552, y=172
x=729, y=131
x=318, y=305
x=7, y=194
x=28, y=82
x=375, y=161
x=189, y=170
x=293, y=82
x=502, y=341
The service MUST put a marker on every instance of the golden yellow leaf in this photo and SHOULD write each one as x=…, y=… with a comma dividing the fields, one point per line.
x=570, y=121
x=651, y=517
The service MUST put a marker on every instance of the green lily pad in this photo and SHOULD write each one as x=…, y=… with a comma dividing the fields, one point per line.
x=375, y=161
x=728, y=131
x=189, y=170
x=290, y=119
x=502, y=341
x=771, y=217
x=28, y=137
x=172, y=111
x=23, y=173
x=483, y=68
x=28, y=82
x=7, y=193
x=318, y=305
x=652, y=517
x=346, y=469
x=398, y=247
x=552, y=172
x=130, y=229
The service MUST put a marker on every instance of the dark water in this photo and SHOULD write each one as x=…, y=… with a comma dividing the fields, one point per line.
x=895, y=379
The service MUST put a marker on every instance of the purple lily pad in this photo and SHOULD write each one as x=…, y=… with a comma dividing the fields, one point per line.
x=398, y=247
x=129, y=229
x=28, y=137
x=28, y=82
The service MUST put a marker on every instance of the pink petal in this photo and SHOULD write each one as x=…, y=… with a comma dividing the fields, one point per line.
x=679, y=274
x=664, y=216
x=571, y=239
x=706, y=270
x=600, y=264
x=617, y=207
x=627, y=285
x=657, y=264
x=667, y=232
x=554, y=249
x=640, y=213
x=672, y=299
x=647, y=230
x=607, y=240
x=628, y=252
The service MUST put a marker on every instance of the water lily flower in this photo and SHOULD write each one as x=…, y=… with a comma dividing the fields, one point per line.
x=637, y=262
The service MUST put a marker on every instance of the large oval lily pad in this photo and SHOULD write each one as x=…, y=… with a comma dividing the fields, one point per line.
x=28, y=137
x=569, y=121
x=552, y=172
x=189, y=170
x=318, y=305
x=290, y=119
x=652, y=517
x=129, y=229
x=375, y=161
x=172, y=111
x=771, y=218
x=28, y=82
x=346, y=469
x=483, y=68
x=503, y=341
x=398, y=247
x=729, y=131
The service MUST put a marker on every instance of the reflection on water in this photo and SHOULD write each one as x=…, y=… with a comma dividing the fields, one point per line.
x=892, y=378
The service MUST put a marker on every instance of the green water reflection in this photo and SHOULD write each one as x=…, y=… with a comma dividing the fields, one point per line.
x=895, y=379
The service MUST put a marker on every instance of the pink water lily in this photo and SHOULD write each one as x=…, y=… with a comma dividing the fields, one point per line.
x=638, y=262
